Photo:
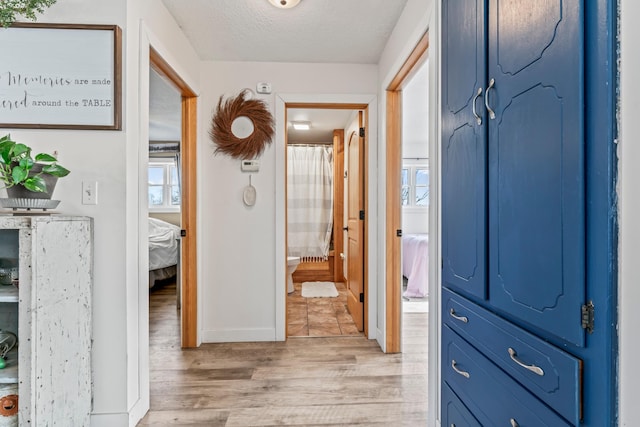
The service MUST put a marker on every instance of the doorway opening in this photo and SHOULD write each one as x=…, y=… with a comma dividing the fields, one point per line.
x=185, y=170
x=325, y=195
x=408, y=207
x=165, y=213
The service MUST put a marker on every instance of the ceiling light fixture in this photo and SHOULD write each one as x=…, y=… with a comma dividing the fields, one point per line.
x=301, y=125
x=284, y=4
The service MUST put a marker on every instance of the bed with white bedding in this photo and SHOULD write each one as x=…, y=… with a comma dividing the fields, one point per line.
x=164, y=240
x=415, y=264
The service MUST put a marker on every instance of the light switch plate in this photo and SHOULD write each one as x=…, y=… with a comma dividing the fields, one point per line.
x=89, y=192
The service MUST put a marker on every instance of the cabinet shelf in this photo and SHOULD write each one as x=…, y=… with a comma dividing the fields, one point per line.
x=8, y=293
x=9, y=375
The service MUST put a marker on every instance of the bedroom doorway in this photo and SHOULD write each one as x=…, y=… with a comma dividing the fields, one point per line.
x=408, y=184
x=186, y=170
x=336, y=129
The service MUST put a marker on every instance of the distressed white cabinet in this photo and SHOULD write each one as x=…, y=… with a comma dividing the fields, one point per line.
x=51, y=313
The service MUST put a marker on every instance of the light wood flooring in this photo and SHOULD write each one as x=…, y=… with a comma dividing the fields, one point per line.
x=339, y=381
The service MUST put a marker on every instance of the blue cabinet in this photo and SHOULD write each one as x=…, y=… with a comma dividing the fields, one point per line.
x=513, y=147
x=454, y=413
x=493, y=397
x=536, y=164
x=515, y=208
x=464, y=148
x=551, y=374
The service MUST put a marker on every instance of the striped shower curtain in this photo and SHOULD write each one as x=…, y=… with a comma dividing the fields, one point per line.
x=309, y=201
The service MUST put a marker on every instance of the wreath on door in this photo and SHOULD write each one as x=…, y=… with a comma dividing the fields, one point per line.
x=241, y=126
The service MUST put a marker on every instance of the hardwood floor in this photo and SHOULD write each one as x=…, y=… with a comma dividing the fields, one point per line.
x=339, y=381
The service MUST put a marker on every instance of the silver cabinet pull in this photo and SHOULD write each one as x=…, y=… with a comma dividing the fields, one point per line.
x=473, y=108
x=533, y=368
x=453, y=314
x=458, y=371
x=492, y=114
x=514, y=423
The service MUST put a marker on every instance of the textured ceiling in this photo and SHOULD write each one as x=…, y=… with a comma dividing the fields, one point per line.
x=347, y=31
x=316, y=31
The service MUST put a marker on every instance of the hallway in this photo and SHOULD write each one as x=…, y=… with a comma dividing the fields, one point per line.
x=303, y=381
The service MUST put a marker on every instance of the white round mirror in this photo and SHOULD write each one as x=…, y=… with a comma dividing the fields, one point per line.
x=242, y=127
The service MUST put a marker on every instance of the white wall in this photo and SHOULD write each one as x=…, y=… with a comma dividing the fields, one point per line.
x=415, y=114
x=170, y=217
x=629, y=214
x=417, y=17
x=96, y=156
x=113, y=159
x=238, y=243
x=411, y=26
x=148, y=24
x=415, y=140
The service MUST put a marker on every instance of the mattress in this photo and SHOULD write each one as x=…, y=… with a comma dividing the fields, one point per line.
x=415, y=264
x=163, y=244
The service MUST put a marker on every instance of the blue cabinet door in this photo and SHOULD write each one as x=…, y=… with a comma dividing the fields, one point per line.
x=454, y=413
x=464, y=147
x=536, y=164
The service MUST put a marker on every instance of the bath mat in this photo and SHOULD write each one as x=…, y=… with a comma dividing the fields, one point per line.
x=319, y=290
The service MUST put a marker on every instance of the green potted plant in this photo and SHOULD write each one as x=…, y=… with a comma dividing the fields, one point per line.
x=25, y=176
x=10, y=9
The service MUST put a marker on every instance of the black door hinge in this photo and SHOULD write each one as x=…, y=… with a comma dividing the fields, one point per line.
x=361, y=132
x=362, y=215
x=183, y=233
x=361, y=297
x=588, y=315
x=399, y=233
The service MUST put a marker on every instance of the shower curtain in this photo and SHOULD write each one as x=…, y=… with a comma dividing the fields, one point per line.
x=309, y=201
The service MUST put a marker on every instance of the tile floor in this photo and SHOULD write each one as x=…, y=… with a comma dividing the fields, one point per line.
x=319, y=317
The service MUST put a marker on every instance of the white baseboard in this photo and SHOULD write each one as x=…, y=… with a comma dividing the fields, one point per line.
x=238, y=335
x=382, y=342
x=120, y=419
x=138, y=411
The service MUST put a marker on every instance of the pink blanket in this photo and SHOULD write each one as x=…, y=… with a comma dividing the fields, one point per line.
x=415, y=264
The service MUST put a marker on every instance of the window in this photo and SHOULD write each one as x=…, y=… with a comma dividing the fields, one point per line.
x=415, y=185
x=164, y=186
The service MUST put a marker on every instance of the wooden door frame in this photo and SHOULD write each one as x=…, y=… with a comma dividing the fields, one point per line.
x=334, y=106
x=393, y=289
x=188, y=259
x=355, y=226
x=338, y=203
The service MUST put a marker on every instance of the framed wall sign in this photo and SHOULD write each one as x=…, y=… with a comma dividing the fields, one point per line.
x=60, y=76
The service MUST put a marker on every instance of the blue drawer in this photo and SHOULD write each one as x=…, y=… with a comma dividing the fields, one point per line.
x=454, y=413
x=552, y=375
x=492, y=396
